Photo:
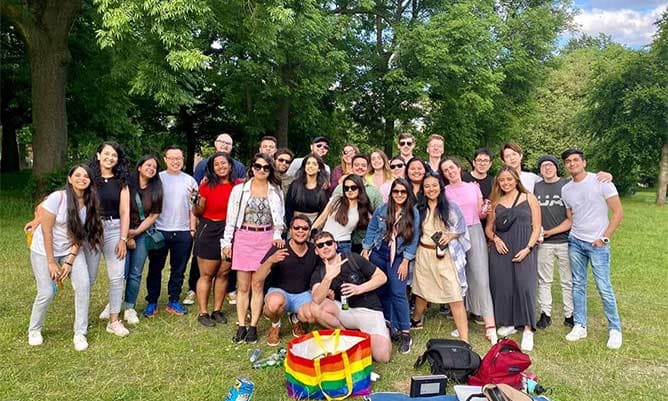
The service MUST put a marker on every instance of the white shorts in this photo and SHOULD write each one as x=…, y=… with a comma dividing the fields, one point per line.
x=364, y=319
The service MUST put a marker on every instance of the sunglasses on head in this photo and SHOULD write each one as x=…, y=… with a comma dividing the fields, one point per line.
x=322, y=145
x=350, y=188
x=323, y=244
x=282, y=160
x=405, y=143
x=399, y=192
x=397, y=165
x=301, y=228
x=258, y=167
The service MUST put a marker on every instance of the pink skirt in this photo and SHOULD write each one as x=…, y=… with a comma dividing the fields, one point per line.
x=249, y=248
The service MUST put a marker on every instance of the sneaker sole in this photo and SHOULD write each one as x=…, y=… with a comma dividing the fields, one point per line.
x=174, y=311
x=250, y=342
x=187, y=302
x=273, y=344
x=110, y=331
x=152, y=315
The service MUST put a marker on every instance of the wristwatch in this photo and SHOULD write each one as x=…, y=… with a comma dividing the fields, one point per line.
x=605, y=240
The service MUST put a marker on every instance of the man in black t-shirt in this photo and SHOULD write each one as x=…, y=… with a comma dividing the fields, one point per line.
x=344, y=295
x=482, y=161
x=291, y=270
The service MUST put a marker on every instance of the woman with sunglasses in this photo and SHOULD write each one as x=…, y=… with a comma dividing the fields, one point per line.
x=346, y=213
x=307, y=194
x=390, y=243
x=441, y=257
x=145, y=193
x=398, y=170
x=111, y=174
x=255, y=212
x=68, y=219
x=346, y=166
x=211, y=208
x=468, y=197
x=379, y=173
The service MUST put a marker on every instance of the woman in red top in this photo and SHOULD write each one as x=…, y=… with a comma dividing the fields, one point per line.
x=211, y=208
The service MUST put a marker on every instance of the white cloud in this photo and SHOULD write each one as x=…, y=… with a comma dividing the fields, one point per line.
x=630, y=27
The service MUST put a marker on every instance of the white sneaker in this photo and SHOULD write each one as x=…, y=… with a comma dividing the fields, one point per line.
x=130, y=316
x=455, y=333
x=35, y=337
x=491, y=335
x=105, y=313
x=117, y=328
x=80, y=343
x=505, y=331
x=577, y=333
x=615, y=339
x=232, y=298
x=527, y=341
x=189, y=299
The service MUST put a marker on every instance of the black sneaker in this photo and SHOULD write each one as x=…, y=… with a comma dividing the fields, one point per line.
x=241, y=335
x=251, y=335
x=568, y=321
x=406, y=342
x=544, y=321
x=219, y=317
x=395, y=335
x=205, y=320
x=445, y=311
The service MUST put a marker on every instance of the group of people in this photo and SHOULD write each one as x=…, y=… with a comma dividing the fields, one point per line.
x=369, y=244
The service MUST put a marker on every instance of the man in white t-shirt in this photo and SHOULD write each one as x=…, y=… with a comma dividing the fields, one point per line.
x=588, y=202
x=177, y=224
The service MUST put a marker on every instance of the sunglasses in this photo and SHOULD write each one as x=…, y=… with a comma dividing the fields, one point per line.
x=322, y=145
x=398, y=165
x=323, y=244
x=283, y=160
x=301, y=228
x=405, y=143
x=258, y=167
x=350, y=188
x=399, y=192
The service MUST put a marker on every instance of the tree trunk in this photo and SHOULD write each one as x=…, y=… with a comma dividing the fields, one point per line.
x=10, y=149
x=662, y=184
x=388, y=137
x=282, y=121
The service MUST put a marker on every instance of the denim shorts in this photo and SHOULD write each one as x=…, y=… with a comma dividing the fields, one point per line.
x=292, y=301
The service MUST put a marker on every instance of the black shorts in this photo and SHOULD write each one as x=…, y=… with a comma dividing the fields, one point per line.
x=207, y=238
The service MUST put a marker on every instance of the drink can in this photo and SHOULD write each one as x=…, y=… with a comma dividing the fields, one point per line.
x=242, y=390
x=485, y=205
x=29, y=237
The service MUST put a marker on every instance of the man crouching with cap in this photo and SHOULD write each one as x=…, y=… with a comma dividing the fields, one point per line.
x=344, y=295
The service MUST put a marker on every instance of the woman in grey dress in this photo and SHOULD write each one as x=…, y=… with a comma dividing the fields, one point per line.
x=513, y=268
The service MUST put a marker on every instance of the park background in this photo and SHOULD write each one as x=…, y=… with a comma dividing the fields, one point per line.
x=148, y=73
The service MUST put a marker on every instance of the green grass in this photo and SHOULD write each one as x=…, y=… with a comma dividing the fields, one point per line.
x=174, y=358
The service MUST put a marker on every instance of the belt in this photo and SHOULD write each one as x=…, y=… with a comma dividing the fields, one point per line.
x=256, y=229
x=422, y=244
x=109, y=218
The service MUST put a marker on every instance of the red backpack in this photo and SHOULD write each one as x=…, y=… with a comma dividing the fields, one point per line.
x=503, y=363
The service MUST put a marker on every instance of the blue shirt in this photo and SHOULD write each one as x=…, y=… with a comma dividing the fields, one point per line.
x=377, y=228
x=200, y=169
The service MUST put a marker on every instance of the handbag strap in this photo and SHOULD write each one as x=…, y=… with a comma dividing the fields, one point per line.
x=140, y=207
x=347, y=372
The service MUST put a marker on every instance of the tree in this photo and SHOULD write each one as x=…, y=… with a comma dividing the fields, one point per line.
x=44, y=27
x=659, y=54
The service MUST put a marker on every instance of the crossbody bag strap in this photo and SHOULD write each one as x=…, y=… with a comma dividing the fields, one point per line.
x=516, y=199
x=140, y=207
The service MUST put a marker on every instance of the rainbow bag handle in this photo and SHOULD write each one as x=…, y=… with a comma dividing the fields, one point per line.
x=346, y=366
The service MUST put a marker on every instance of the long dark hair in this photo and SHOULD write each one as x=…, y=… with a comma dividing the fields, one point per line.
x=154, y=184
x=121, y=170
x=442, y=203
x=405, y=221
x=273, y=179
x=297, y=192
x=212, y=178
x=91, y=230
x=342, y=204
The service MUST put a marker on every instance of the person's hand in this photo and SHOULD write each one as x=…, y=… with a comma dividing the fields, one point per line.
x=121, y=249
x=350, y=289
x=334, y=268
x=519, y=256
x=28, y=227
x=598, y=243
x=330, y=294
x=132, y=233
x=365, y=253
x=279, y=255
x=278, y=243
x=603, y=176
x=501, y=247
x=402, y=271
x=227, y=253
x=446, y=237
x=54, y=270
x=131, y=244
x=65, y=271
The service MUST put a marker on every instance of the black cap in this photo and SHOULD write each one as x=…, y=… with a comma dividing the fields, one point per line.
x=320, y=139
x=548, y=158
x=572, y=151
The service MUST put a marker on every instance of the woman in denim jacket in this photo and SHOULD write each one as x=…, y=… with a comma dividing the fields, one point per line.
x=392, y=250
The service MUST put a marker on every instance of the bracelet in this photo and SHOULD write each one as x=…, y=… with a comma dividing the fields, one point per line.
x=124, y=239
x=67, y=263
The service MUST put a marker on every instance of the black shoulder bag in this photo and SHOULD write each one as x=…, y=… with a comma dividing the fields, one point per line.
x=453, y=358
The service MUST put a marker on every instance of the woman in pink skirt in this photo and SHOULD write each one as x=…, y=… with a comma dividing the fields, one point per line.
x=255, y=214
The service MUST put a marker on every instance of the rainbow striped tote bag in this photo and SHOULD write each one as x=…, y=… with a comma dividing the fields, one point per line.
x=329, y=364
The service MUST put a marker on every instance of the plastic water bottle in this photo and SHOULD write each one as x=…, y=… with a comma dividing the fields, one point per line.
x=255, y=355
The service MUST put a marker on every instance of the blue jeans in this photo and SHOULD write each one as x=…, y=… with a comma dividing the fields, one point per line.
x=580, y=254
x=134, y=267
x=393, y=293
x=178, y=244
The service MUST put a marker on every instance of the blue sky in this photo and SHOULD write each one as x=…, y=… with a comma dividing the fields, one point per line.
x=628, y=21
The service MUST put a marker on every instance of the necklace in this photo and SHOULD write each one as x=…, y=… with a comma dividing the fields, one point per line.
x=106, y=179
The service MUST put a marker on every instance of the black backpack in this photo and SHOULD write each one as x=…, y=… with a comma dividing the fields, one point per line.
x=453, y=358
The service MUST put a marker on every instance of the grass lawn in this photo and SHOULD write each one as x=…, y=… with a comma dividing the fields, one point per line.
x=175, y=358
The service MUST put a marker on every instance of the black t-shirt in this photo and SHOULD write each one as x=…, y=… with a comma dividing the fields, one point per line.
x=552, y=208
x=145, y=195
x=294, y=273
x=109, y=190
x=485, y=184
x=357, y=270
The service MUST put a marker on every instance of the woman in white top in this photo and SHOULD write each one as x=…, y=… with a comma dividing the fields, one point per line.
x=67, y=220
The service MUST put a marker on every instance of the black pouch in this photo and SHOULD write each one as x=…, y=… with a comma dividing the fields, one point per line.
x=453, y=358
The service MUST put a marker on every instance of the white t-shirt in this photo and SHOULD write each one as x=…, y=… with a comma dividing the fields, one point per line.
x=297, y=163
x=56, y=203
x=175, y=215
x=529, y=180
x=588, y=201
x=342, y=233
